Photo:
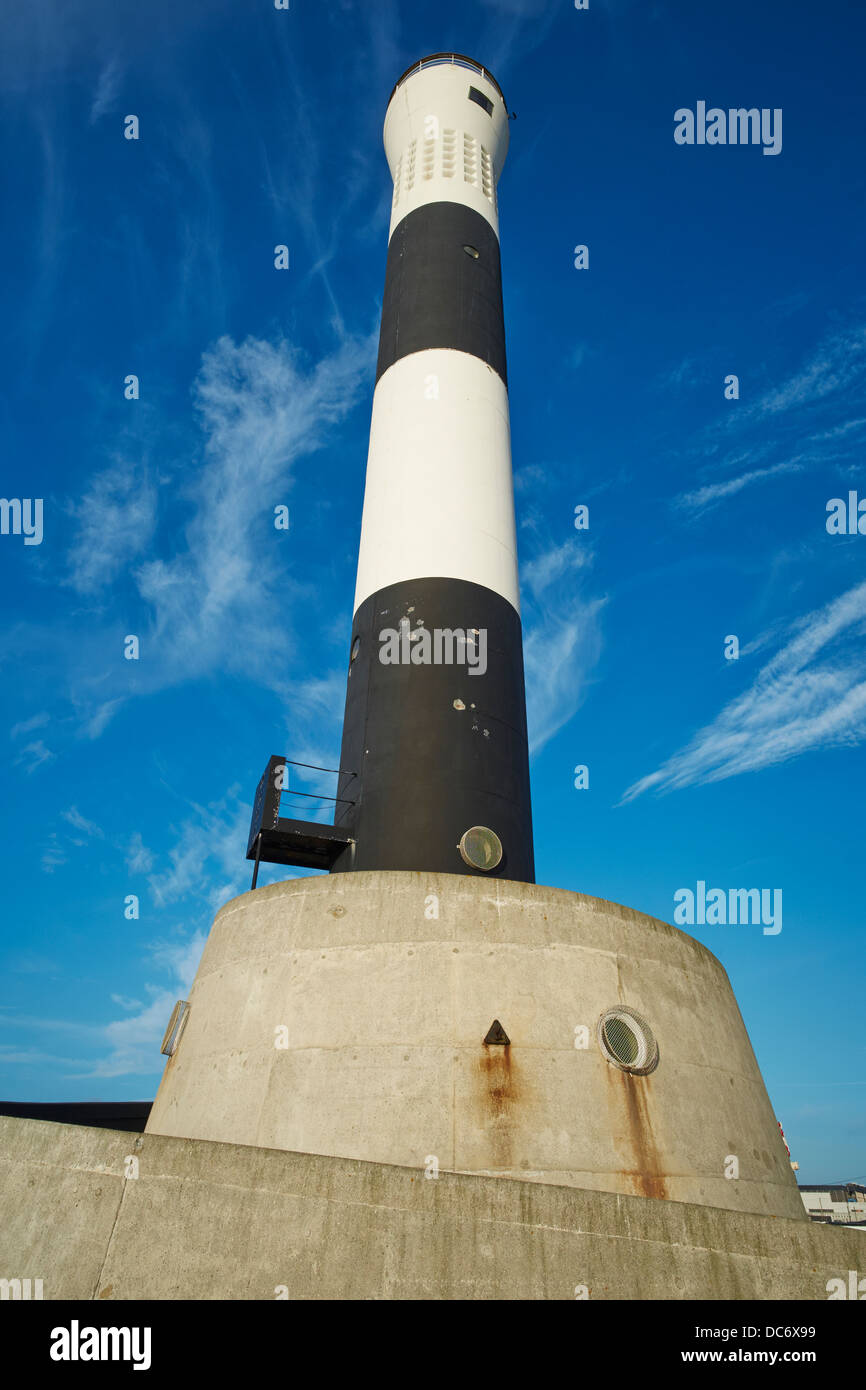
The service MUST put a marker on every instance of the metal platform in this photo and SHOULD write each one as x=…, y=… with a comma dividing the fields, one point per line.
x=276, y=839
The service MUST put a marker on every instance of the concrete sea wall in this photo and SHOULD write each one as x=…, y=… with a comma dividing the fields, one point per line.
x=201, y=1220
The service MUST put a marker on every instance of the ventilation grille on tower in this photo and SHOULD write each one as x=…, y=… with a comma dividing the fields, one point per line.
x=410, y=167
x=445, y=158
x=470, y=159
x=627, y=1040
x=449, y=153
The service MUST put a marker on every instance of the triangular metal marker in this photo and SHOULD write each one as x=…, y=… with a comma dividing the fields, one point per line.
x=497, y=1034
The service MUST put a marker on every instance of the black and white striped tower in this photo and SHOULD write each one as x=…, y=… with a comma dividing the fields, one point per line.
x=435, y=769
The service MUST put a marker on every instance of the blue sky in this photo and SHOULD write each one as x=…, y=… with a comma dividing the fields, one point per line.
x=707, y=516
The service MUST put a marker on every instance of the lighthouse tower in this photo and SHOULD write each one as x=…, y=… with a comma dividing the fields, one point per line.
x=426, y=1004
x=435, y=770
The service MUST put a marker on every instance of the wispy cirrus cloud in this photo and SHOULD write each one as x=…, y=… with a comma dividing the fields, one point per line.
x=114, y=523
x=31, y=1057
x=26, y=726
x=515, y=25
x=56, y=849
x=207, y=855
x=134, y=1041
x=33, y=755
x=785, y=429
x=139, y=859
x=123, y=1002
x=260, y=410
x=130, y=1044
x=830, y=379
x=810, y=695
x=704, y=497
x=537, y=575
x=206, y=864
x=54, y=854
x=107, y=89
x=839, y=431
x=688, y=371
x=562, y=637
x=838, y=361
x=202, y=601
x=81, y=823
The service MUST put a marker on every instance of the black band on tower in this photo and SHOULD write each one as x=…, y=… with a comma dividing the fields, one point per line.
x=436, y=750
x=443, y=287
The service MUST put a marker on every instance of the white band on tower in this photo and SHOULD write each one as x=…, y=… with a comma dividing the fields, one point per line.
x=438, y=499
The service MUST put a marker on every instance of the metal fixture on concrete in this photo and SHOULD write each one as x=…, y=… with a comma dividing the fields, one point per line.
x=497, y=1036
x=174, y=1031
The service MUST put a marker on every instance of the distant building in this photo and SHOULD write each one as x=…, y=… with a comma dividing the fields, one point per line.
x=844, y=1205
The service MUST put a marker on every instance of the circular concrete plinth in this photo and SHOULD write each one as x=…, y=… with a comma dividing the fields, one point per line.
x=345, y=1015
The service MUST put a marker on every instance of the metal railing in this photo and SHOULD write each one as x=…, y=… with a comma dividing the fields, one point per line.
x=313, y=796
x=285, y=839
x=457, y=60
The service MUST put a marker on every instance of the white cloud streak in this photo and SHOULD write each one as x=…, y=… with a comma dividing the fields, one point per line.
x=134, y=1042
x=259, y=412
x=562, y=638
x=207, y=857
x=33, y=755
x=115, y=520
x=834, y=365
x=714, y=492
x=107, y=89
x=76, y=819
x=810, y=695
x=767, y=432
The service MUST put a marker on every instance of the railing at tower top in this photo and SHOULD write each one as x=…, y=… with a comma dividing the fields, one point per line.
x=280, y=839
x=457, y=60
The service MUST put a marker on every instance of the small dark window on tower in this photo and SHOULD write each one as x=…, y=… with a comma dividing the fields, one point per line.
x=356, y=647
x=475, y=95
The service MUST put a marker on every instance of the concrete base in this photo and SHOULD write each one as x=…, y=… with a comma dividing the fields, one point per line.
x=345, y=1015
x=220, y=1221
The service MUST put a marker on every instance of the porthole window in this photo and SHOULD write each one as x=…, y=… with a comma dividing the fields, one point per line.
x=472, y=251
x=356, y=647
x=627, y=1041
x=480, y=848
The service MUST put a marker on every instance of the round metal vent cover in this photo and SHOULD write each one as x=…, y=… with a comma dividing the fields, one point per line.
x=627, y=1040
x=480, y=848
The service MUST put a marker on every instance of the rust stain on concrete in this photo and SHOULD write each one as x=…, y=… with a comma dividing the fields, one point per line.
x=500, y=1094
x=630, y=1097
